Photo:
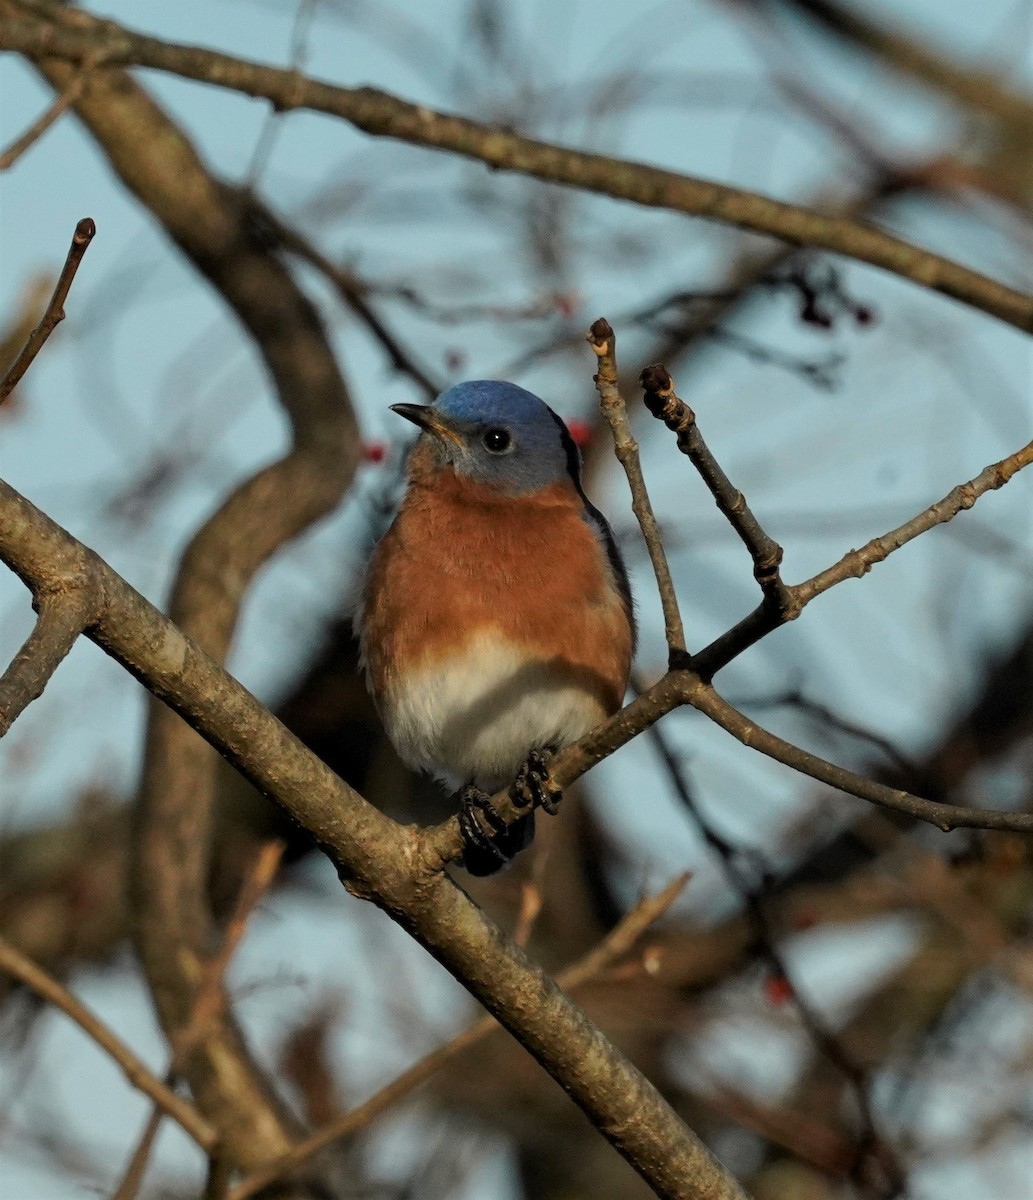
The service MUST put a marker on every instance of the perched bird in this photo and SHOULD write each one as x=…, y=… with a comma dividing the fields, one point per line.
x=496, y=622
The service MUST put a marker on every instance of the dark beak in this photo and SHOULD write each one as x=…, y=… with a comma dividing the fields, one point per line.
x=417, y=413
x=425, y=416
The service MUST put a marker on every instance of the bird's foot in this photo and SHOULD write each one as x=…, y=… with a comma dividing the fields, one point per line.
x=482, y=829
x=534, y=787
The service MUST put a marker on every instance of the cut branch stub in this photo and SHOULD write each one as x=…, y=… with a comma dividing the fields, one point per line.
x=65, y=608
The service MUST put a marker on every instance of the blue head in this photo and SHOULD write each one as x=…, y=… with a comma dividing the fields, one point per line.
x=497, y=434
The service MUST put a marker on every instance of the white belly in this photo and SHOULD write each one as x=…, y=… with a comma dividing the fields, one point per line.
x=474, y=716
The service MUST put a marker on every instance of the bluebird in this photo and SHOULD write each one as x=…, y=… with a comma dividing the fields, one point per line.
x=496, y=623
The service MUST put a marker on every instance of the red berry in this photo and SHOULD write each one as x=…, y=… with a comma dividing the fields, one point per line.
x=567, y=303
x=374, y=452
x=777, y=990
x=582, y=433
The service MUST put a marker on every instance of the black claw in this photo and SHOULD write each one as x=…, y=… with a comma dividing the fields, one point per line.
x=489, y=842
x=480, y=842
x=533, y=787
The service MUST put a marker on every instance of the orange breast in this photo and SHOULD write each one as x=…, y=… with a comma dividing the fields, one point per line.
x=460, y=557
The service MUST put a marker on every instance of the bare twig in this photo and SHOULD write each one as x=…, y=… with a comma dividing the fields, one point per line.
x=944, y=816
x=859, y=562
x=872, y=1153
x=43, y=122
x=660, y=399
x=55, y=313
x=856, y=563
x=531, y=900
x=617, y=942
x=354, y=294
x=981, y=88
x=63, y=613
x=603, y=341
x=210, y=998
x=47, y=988
x=73, y=37
x=210, y=1002
x=135, y=1169
x=827, y=718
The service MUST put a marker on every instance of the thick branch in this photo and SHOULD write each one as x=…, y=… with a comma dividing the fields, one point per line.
x=617, y=942
x=381, y=861
x=214, y=226
x=74, y=36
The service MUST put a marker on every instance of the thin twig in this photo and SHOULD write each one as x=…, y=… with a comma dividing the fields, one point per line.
x=855, y=563
x=63, y=614
x=702, y=697
x=353, y=292
x=55, y=313
x=617, y=942
x=531, y=900
x=660, y=399
x=603, y=341
x=210, y=1000
x=827, y=718
x=132, y=1177
x=47, y=988
x=43, y=122
x=873, y=1149
x=859, y=562
x=209, y=1004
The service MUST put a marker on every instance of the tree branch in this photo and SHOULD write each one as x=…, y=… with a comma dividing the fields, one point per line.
x=354, y=296
x=766, y=553
x=617, y=942
x=64, y=612
x=214, y=225
x=74, y=35
x=855, y=563
x=55, y=313
x=43, y=122
x=702, y=696
x=136, y=1168
x=394, y=866
x=47, y=988
x=603, y=341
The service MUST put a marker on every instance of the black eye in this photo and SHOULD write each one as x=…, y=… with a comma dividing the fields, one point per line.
x=496, y=441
